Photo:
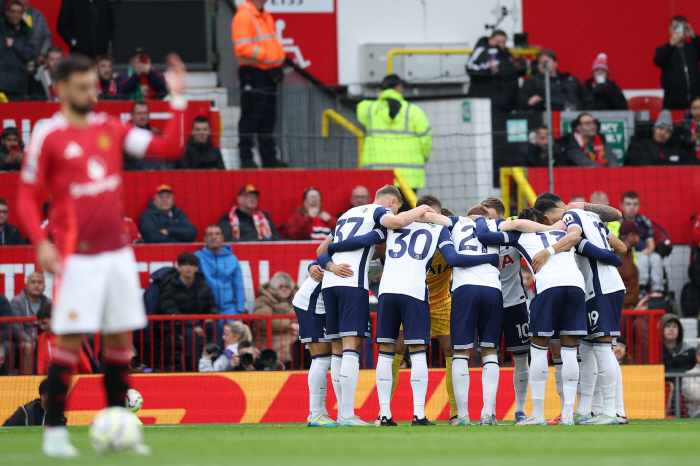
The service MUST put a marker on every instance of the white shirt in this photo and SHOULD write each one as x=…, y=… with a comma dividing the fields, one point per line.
x=465, y=242
x=409, y=254
x=511, y=280
x=600, y=278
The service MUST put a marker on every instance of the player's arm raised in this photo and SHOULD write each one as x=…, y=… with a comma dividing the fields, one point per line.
x=605, y=212
x=491, y=238
x=139, y=142
x=394, y=222
x=528, y=226
x=455, y=259
x=375, y=236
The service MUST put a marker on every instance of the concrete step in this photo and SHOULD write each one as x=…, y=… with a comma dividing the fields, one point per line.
x=197, y=79
x=690, y=327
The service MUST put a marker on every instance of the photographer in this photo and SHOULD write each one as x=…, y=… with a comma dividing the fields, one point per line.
x=215, y=360
x=251, y=359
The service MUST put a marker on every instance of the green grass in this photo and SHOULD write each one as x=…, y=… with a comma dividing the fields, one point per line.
x=640, y=443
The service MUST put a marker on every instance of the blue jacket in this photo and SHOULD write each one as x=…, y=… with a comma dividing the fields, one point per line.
x=224, y=276
x=180, y=229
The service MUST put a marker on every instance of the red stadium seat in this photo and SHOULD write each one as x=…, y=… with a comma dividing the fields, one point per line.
x=646, y=102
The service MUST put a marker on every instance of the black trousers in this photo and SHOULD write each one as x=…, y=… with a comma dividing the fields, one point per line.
x=258, y=113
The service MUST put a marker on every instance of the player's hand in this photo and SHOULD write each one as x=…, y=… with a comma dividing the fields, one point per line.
x=534, y=100
x=560, y=225
x=164, y=232
x=9, y=41
x=176, y=74
x=316, y=272
x=48, y=256
x=341, y=270
x=576, y=205
x=235, y=361
x=379, y=251
x=539, y=260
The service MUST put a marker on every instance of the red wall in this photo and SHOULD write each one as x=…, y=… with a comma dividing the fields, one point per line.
x=628, y=32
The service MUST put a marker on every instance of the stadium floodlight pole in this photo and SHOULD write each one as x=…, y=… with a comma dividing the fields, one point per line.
x=548, y=122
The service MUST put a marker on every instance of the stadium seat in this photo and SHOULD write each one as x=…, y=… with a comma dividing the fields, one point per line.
x=646, y=102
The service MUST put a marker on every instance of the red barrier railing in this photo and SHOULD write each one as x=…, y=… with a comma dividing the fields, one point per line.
x=170, y=342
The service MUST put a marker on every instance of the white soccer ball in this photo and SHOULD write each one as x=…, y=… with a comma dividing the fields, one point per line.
x=115, y=429
x=134, y=400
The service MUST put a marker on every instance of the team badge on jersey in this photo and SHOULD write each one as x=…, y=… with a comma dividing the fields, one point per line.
x=104, y=141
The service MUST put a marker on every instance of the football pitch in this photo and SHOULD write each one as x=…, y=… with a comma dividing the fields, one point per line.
x=641, y=442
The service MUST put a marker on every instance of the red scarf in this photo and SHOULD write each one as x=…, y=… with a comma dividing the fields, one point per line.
x=595, y=151
x=694, y=127
x=262, y=225
x=111, y=90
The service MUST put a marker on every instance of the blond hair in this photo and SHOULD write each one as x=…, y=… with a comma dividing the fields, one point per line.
x=240, y=329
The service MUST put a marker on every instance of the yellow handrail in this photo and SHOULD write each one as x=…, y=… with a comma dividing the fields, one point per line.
x=408, y=194
x=392, y=52
x=525, y=191
x=331, y=115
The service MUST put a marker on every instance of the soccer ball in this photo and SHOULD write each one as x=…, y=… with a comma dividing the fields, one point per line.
x=134, y=400
x=115, y=429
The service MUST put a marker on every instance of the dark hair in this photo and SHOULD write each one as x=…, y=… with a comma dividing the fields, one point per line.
x=545, y=205
x=478, y=210
x=54, y=48
x=431, y=201
x=15, y=2
x=545, y=127
x=200, y=119
x=244, y=344
x=679, y=18
x=44, y=387
x=140, y=102
x=577, y=121
x=103, y=57
x=547, y=53
x=187, y=258
x=3, y=202
x=629, y=195
x=532, y=214
x=546, y=196
x=498, y=32
x=310, y=188
x=73, y=63
x=447, y=212
x=389, y=190
x=44, y=312
x=495, y=204
x=213, y=226
x=10, y=131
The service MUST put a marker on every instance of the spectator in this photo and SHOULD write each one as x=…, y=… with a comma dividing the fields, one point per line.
x=310, y=221
x=34, y=412
x=200, y=153
x=164, y=222
x=87, y=27
x=245, y=222
x=107, y=87
x=41, y=33
x=621, y=354
x=660, y=149
x=275, y=298
x=567, y=91
x=11, y=150
x=3, y=367
x=260, y=57
x=5, y=336
x=690, y=386
x=43, y=86
x=528, y=281
x=234, y=334
x=577, y=198
x=15, y=53
x=606, y=93
x=141, y=81
x=358, y=197
x=27, y=304
x=240, y=363
x=397, y=134
x=535, y=152
x=584, y=146
x=46, y=342
x=678, y=60
x=630, y=235
x=493, y=73
x=9, y=234
x=691, y=130
x=600, y=198
x=649, y=263
x=222, y=272
x=141, y=118
x=186, y=292
x=678, y=356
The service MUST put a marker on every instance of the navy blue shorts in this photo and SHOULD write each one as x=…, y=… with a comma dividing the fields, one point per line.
x=312, y=326
x=516, y=327
x=347, y=312
x=604, y=314
x=476, y=308
x=397, y=309
x=562, y=309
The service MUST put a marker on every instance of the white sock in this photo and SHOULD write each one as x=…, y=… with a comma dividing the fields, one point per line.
x=419, y=382
x=460, y=382
x=607, y=374
x=317, y=383
x=336, y=361
x=619, y=396
x=539, y=371
x=349, y=374
x=521, y=377
x=569, y=377
x=557, y=381
x=384, y=381
x=587, y=377
x=489, y=382
x=597, y=407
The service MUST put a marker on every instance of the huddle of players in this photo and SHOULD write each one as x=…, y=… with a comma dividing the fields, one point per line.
x=480, y=254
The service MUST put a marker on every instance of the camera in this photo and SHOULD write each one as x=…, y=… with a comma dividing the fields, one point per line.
x=214, y=350
x=247, y=359
x=679, y=28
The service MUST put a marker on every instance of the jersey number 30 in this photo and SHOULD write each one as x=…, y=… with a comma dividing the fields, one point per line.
x=411, y=245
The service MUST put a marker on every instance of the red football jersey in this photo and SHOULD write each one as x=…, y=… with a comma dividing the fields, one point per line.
x=80, y=169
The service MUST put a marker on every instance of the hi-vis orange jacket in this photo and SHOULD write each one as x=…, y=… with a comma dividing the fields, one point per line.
x=255, y=41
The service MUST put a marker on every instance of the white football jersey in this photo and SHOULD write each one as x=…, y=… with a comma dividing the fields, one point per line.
x=511, y=278
x=465, y=242
x=600, y=278
x=409, y=254
x=560, y=270
x=356, y=222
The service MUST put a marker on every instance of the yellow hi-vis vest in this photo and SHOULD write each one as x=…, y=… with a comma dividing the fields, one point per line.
x=403, y=142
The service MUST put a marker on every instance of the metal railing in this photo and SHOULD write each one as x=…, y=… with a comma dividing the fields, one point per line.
x=676, y=402
x=330, y=115
x=390, y=55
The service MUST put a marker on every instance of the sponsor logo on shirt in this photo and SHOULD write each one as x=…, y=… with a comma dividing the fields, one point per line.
x=72, y=151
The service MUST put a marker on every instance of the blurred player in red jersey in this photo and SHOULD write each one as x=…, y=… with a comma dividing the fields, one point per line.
x=76, y=158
